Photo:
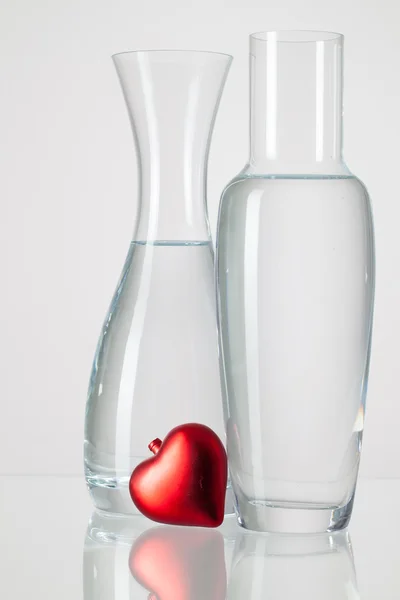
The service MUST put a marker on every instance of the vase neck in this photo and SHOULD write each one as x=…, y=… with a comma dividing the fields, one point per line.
x=172, y=99
x=296, y=103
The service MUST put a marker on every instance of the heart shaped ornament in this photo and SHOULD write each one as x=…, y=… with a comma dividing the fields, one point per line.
x=185, y=482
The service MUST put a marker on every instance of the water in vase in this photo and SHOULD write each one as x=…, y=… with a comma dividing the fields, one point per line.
x=295, y=279
x=156, y=364
x=295, y=264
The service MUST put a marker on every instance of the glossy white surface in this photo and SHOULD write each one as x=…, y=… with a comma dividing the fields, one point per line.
x=44, y=553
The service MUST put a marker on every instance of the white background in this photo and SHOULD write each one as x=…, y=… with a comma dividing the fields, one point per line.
x=68, y=190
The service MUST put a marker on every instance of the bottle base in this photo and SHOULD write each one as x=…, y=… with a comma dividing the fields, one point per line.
x=111, y=494
x=293, y=517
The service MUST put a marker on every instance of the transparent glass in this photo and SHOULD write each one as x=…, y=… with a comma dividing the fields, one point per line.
x=156, y=364
x=295, y=270
x=279, y=567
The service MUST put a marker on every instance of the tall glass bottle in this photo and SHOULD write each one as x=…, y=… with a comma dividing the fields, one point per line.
x=295, y=265
x=156, y=364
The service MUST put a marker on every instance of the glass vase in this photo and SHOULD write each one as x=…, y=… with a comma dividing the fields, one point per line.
x=295, y=268
x=156, y=364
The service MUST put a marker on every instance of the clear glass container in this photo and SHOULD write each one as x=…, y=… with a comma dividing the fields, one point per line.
x=156, y=364
x=295, y=270
x=305, y=567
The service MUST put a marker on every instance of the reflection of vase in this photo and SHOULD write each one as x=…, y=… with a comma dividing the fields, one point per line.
x=108, y=542
x=180, y=563
x=279, y=567
x=156, y=364
x=295, y=263
x=128, y=558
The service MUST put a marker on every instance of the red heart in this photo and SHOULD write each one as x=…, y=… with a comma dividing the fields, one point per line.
x=180, y=564
x=185, y=482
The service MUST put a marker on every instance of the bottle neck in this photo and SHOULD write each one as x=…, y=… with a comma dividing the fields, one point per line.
x=296, y=103
x=172, y=189
x=172, y=99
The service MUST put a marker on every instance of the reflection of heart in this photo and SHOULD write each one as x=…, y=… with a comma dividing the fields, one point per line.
x=185, y=482
x=180, y=564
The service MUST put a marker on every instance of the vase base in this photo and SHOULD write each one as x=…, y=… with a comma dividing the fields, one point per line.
x=112, y=495
x=293, y=517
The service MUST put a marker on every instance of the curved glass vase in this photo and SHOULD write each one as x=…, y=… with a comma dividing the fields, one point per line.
x=156, y=365
x=295, y=260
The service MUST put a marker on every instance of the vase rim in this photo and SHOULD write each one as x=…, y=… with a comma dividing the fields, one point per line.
x=173, y=51
x=297, y=36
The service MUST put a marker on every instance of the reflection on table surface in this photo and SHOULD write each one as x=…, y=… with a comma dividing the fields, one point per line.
x=126, y=559
x=44, y=527
x=282, y=567
x=134, y=558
